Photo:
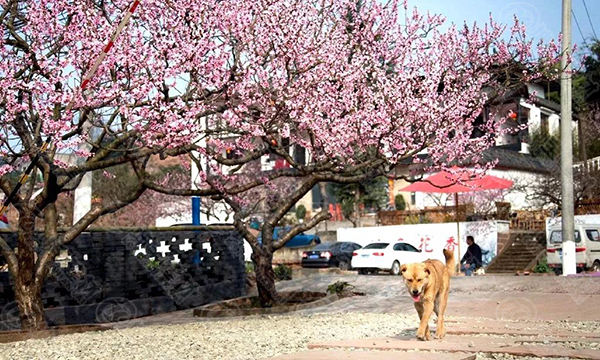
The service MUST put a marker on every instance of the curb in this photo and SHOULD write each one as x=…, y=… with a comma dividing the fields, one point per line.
x=206, y=311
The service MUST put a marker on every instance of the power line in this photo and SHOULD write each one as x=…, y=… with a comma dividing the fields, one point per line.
x=590, y=19
x=579, y=27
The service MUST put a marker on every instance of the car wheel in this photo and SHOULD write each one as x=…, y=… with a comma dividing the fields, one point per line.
x=344, y=265
x=362, y=272
x=595, y=266
x=395, y=270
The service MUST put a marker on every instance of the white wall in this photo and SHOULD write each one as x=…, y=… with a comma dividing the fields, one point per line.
x=539, y=89
x=432, y=238
x=554, y=124
x=524, y=185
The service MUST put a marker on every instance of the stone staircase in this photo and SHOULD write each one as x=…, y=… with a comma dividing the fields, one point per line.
x=520, y=253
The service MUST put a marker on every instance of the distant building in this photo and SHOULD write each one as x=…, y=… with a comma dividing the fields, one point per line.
x=511, y=150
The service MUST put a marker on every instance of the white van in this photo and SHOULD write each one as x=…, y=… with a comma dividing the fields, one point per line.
x=587, y=243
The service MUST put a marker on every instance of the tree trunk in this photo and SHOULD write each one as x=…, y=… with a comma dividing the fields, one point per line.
x=28, y=293
x=265, y=277
x=31, y=308
x=357, y=206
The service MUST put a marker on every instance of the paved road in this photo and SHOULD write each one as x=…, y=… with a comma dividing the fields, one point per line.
x=498, y=297
x=494, y=297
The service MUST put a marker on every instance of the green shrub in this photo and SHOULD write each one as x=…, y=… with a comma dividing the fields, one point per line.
x=339, y=287
x=152, y=264
x=283, y=272
x=249, y=267
x=399, y=202
x=542, y=266
x=300, y=212
x=412, y=219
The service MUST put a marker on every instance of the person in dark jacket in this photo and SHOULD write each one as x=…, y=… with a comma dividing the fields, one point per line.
x=472, y=258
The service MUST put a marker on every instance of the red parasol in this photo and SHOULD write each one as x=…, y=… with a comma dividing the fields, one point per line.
x=445, y=182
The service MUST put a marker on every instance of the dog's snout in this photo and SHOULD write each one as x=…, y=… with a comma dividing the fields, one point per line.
x=415, y=291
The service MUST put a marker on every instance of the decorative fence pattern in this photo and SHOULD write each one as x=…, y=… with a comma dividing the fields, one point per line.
x=118, y=275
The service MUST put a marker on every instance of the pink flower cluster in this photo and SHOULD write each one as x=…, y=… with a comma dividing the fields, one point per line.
x=339, y=77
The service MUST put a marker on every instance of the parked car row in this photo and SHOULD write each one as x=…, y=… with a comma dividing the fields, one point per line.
x=331, y=254
x=375, y=257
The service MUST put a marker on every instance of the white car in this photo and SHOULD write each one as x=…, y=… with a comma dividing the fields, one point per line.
x=385, y=256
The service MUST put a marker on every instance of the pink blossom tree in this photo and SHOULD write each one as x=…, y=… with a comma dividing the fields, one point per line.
x=360, y=85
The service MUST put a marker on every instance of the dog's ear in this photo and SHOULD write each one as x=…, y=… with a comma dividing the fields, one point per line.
x=427, y=271
x=403, y=269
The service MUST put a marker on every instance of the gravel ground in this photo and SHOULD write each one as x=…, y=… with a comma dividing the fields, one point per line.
x=386, y=311
x=249, y=338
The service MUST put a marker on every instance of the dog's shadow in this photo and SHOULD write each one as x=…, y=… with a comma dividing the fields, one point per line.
x=411, y=333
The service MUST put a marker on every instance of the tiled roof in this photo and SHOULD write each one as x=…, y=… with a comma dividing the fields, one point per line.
x=509, y=158
x=513, y=160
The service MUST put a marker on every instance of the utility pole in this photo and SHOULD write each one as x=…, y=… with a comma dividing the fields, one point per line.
x=566, y=147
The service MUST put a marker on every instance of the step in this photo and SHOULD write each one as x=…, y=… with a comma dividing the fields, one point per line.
x=372, y=355
x=514, y=261
x=507, y=268
x=468, y=344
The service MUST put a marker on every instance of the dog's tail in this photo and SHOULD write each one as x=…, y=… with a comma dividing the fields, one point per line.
x=450, y=262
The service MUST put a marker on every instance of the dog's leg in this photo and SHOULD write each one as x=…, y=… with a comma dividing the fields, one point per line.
x=419, y=308
x=424, y=311
x=440, y=330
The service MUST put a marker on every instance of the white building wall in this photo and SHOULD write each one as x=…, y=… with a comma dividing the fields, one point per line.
x=554, y=124
x=524, y=186
x=535, y=115
x=538, y=89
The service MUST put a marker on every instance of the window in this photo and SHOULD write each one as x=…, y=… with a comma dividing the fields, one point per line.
x=413, y=198
x=409, y=247
x=478, y=126
x=593, y=235
x=300, y=155
x=405, y=247
x=376, y=246
x=544, y=124
x=323, y=247
x=556, y=237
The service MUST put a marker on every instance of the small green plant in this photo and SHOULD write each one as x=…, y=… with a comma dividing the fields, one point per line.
x=152, y=264
x=249, y=267
x=340, y=287
x=283, y=272
x=542, y=266
x=300, y=212
x=412, y=219
x=399, y=202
